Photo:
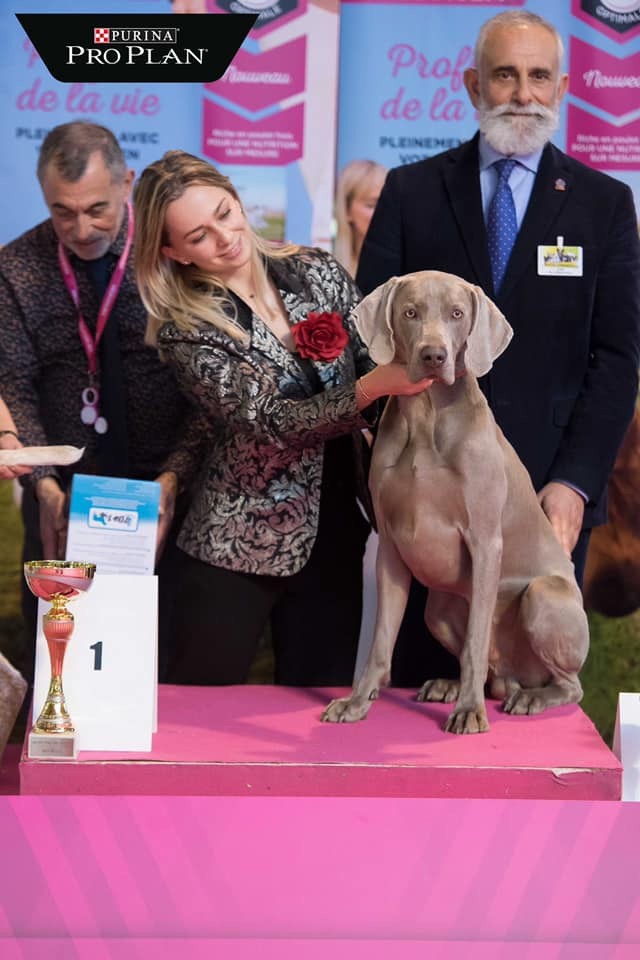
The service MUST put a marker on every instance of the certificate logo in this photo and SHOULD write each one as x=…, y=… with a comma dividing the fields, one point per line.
x=102, y=518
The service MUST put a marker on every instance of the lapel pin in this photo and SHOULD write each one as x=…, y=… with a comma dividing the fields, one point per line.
x=560, y=184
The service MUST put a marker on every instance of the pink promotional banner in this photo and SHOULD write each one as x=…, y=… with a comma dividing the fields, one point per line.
x=597, y=144
x=270, y=121
x=541, y=877
x=606, y=133
x=606, y=82
x=254, y=143
x=256, y=81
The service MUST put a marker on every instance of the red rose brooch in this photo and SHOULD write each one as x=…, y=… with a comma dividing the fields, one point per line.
x=320, y=337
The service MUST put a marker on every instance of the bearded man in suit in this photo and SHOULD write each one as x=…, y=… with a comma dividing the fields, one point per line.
x=493, y=211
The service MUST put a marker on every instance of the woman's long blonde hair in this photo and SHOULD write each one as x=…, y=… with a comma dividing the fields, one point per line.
x=351, y=181
x=170, y=290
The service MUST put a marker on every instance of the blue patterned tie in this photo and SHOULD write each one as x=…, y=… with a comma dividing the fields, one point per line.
x=502, y=225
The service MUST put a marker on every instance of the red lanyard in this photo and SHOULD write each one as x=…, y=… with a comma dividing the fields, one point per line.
x=90, y=343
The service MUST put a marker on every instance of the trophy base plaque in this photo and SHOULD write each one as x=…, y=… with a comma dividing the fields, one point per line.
x=52, y=746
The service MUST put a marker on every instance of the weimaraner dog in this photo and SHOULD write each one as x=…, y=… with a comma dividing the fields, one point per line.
x=455, y=507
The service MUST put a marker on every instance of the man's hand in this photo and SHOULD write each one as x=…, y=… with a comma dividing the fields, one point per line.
x=168, y=492
x=53, y=518
x=565, y=510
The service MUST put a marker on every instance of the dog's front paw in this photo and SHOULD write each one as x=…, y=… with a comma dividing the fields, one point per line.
x=439, y=691
x=345, y=710
x=467, y=721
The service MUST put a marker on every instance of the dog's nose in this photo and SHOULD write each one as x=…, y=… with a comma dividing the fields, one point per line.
x=434, y=356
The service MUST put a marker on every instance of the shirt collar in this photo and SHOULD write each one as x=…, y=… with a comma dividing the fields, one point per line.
x=488, y=156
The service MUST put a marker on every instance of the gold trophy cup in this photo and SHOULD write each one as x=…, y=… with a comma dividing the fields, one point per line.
x=58, y=581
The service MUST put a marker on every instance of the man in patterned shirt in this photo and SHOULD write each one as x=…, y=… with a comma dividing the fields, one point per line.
x=74, y=367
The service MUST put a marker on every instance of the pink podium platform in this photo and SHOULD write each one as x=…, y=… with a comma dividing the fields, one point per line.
x=311, y=878
x=268, y=741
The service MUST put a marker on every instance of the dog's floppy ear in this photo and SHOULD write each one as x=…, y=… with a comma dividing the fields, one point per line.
x=490, y=334
x=373, y=321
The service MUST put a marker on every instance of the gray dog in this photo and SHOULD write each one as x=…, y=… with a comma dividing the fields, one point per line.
x=456, y=508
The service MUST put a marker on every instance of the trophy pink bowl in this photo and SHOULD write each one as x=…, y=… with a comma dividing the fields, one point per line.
x=66, y=578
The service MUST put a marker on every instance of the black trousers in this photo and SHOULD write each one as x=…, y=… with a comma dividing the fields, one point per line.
x=314, y=614
x=166, y=570
x=418, y=656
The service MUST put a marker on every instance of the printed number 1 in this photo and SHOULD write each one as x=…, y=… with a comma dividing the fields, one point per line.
x=97, y=655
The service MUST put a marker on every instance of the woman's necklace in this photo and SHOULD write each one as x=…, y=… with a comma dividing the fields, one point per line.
x=242, y=295
x=274, y=316
x=271, y=312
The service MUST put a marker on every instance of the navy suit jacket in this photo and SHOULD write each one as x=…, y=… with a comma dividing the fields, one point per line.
x=564, y=390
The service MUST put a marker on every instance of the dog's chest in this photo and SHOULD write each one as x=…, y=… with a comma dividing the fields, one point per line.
x=419, y=502
x=422, y=451
x=421, y=487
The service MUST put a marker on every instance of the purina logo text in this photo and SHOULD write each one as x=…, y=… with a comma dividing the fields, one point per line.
x=135, y=34
x=137, y=48
x=126, y=46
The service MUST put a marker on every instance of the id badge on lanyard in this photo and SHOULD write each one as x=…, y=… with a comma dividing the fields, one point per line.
x=90, y=413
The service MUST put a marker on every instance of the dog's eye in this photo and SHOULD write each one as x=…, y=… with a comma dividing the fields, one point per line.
x=456, y=313
x=410, y=313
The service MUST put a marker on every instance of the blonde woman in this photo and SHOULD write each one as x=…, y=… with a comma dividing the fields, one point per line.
x=359, y=187
x=261, y=340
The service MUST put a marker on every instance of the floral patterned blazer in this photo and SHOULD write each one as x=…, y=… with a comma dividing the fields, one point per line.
x=256, y=503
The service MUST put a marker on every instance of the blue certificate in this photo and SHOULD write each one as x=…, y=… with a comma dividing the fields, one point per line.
x=113, y=523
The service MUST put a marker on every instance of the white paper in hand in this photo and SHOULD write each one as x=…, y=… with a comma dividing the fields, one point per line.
x=54, y=456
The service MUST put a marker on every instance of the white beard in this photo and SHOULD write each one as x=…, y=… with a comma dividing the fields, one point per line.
x=518, y=130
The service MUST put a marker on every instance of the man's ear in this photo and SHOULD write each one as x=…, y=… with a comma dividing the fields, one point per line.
x=472, y=85
x=563, y=86
x=129, y=177
x=373, y=321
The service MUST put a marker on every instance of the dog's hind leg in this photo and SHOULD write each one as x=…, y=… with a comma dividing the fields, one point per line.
x=393, y=582
x=556, y=627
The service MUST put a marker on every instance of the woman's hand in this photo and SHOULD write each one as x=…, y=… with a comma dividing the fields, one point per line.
x=9, y=441
x=53, y=518
x=389, y=380
x=168, y=492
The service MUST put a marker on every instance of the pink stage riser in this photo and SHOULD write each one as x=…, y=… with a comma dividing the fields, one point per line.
x=499, y=878
x=317, y=949
x=266, y=741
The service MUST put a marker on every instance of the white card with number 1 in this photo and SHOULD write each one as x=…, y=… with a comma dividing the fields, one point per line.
x=110, y=667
